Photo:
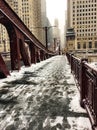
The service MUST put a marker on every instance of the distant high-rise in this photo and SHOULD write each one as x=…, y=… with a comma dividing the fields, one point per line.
x=56, y=30
x=30, y=13
x=43, y=13
x=43, y=19
x=82, y=16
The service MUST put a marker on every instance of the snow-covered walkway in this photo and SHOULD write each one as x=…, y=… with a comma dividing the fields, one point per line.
x=42, y=97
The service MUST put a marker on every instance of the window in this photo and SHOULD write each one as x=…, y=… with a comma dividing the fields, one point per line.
x=84, y=45
x=78, y=45
x=90, y=44
x=95, y=44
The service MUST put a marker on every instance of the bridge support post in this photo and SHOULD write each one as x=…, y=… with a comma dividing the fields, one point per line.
x=3, y=69
x=32, y=53
x=41, y=55
x=15, y=55
x=24, y=53
x=37, y=55
x=46, y=56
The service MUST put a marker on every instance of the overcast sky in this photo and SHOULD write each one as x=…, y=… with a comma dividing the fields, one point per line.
x=57, y=9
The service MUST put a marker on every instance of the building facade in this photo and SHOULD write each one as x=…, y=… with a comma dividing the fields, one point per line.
x=30, y=13
x=4, y=40
x=82, y=16
x=70, y=38
x=43, y=19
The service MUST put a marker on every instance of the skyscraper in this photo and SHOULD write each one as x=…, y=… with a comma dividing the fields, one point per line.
x=43, y=19
x=30, y=13
x=82, y=16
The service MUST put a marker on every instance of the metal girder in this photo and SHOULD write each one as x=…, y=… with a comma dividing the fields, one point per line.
x=3, y=69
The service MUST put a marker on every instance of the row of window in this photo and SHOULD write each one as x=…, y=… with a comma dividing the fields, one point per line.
x=84, y=1
x=84, y=45
x=90, y=38
x=25, y=9
x=85, y=18
x=86, y=34
x=84, y=14
x=86, y=30
x=85, y=6
x=85, y=10
x=24, y=0
x=86, y=26
x=24, y=4
x=84, y=22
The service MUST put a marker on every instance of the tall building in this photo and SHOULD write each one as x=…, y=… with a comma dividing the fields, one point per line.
x=43, y=19
x=82, y=16
x=4, y=40
x=56, y=30
x=30, y=13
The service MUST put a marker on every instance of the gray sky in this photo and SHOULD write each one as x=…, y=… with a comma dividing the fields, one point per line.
x=57, y=9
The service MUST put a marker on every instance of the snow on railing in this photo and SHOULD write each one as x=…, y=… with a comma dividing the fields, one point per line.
x=86, y=77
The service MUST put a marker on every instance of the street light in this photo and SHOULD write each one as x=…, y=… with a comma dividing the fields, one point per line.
x=46, y=34
x=46, y=28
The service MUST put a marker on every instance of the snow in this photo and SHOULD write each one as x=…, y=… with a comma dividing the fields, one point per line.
x=42, y=97
x=53, y=122
x=93, y=65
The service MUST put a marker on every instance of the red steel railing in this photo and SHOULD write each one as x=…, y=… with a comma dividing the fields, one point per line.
x=24, y=46
x=86, y=77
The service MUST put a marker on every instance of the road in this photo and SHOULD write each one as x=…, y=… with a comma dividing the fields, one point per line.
x=42, y=97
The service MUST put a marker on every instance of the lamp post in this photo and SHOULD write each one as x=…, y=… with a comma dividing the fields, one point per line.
x=46, y=34
x=46, y=28
x=46, y=38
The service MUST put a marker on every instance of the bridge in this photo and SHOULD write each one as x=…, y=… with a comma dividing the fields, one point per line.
x=26, y=47
x=23, y=44
x=43, y=96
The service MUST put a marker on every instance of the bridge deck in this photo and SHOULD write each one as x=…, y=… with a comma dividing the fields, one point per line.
x=42, y=97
